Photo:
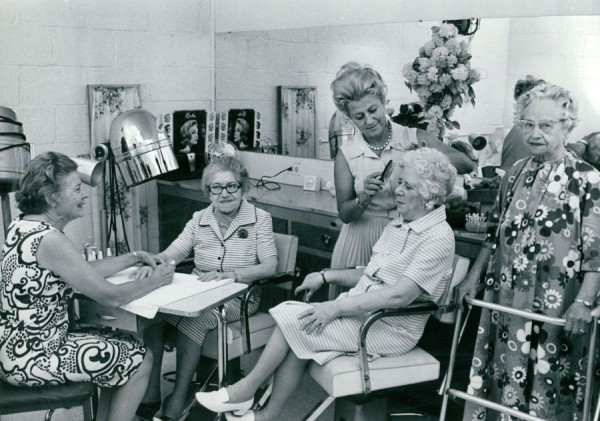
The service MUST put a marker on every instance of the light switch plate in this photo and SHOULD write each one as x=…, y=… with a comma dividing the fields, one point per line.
x=312, y=183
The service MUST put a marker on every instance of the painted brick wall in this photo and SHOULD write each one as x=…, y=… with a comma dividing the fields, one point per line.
x=51, y=49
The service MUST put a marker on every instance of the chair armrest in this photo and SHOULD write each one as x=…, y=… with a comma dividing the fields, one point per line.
x=277, y=279
x=418, y=307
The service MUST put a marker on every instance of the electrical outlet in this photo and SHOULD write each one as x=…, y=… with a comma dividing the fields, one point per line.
x=296, y=168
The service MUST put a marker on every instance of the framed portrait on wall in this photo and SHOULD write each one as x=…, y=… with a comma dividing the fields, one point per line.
x=189, y=131
x=244, y=128
x=298, y=122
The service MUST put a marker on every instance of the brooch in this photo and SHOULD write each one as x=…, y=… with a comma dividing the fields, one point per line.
x=243, y=233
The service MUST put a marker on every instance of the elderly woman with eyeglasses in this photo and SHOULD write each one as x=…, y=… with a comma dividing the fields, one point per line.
x=541, y=255
x=231, y=238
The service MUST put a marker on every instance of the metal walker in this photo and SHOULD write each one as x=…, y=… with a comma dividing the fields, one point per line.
x=448, y=392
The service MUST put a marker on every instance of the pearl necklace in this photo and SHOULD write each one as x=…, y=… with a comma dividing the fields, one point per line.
x=389, y=139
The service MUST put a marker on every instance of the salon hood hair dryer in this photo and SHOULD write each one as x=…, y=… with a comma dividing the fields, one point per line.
x=140, y=151
x=89, y=171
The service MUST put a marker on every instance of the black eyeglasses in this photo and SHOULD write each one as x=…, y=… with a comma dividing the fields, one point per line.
x=217, y=189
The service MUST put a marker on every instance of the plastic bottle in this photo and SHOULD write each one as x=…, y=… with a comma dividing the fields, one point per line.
x=91, y=249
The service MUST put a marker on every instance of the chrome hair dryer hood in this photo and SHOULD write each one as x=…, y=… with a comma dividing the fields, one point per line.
x=140, y=151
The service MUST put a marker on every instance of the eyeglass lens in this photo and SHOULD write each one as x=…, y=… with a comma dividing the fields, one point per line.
x=231, y=188
x=545, y=126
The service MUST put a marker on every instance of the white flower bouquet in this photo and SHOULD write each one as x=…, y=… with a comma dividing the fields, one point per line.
x=442, y=77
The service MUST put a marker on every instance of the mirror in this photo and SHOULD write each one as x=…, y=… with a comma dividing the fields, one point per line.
x=250, y=66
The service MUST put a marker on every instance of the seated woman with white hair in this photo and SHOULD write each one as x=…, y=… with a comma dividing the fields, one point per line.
x=411, y=260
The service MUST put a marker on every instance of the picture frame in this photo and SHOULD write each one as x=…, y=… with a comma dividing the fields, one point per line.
x=243, y=128
x=105, y=103
x=298, y=120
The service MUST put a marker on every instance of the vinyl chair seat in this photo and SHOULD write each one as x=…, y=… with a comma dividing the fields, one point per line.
x=14, y=400
x=261, y=326
x=342, y=376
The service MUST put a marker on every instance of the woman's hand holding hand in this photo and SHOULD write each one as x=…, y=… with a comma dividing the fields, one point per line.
x=215, y=276
x=149, y=259
x=578, y=318
x=141, y=273
x=314, y=319
x=163, y=274
x=311, y=284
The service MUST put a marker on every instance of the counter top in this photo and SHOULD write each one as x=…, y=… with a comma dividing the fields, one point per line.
x=292, y=197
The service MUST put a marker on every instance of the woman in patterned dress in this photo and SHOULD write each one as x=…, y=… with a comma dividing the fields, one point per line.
x=412, y=260
x=40, y=270
x=365, y=203
x=541, y=254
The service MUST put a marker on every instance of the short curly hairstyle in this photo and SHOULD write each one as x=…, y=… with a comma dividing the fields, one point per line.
x=558, y=94
x=226, y=164
x=354, y=82
x=436, y=174
x=41, y=180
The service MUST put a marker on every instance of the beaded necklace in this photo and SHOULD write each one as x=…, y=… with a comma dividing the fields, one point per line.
x=389, y=139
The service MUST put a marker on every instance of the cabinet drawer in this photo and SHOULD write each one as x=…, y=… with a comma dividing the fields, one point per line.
x=315, y=237
x=90, y=312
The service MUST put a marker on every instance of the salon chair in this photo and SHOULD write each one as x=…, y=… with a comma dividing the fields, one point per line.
x=356, y=384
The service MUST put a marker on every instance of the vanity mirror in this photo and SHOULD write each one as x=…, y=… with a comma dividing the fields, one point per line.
x=559, y=49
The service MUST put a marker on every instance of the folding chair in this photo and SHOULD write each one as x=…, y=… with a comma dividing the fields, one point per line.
x=16, y=400
x=453, y=393
x=350, y=377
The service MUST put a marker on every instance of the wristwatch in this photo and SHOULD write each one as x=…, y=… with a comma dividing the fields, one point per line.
x=586, y=303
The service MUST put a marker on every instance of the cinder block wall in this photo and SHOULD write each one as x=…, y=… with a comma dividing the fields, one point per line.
x=51, y=49
x=564, y=50
x=250, y=66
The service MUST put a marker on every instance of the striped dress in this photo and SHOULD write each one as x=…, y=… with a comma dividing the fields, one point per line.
x=248, y=241
x=420, y=251
x=355, y=243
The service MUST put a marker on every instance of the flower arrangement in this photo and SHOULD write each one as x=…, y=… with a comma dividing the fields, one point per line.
x=442, y=77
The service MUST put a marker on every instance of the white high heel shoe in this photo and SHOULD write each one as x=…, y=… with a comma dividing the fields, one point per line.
x=218, y=402
x=248, y=416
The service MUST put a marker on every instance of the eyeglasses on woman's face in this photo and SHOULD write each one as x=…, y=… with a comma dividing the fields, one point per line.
x=218, y=189
x=546, y=126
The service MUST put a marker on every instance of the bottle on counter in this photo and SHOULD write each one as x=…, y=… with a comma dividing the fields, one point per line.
x=90, y=249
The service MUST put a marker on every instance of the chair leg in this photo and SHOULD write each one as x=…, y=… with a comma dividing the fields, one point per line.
x=319, y=408
x=88, y=414
x=370, y=409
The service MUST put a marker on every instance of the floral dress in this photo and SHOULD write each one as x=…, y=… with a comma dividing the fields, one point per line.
x=544, y=237
x=36, y=347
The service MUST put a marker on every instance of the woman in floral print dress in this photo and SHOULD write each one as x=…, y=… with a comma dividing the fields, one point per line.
x=542, y=254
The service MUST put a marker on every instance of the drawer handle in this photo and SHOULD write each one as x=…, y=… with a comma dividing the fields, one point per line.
x=326, y=239
x=106, y=318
